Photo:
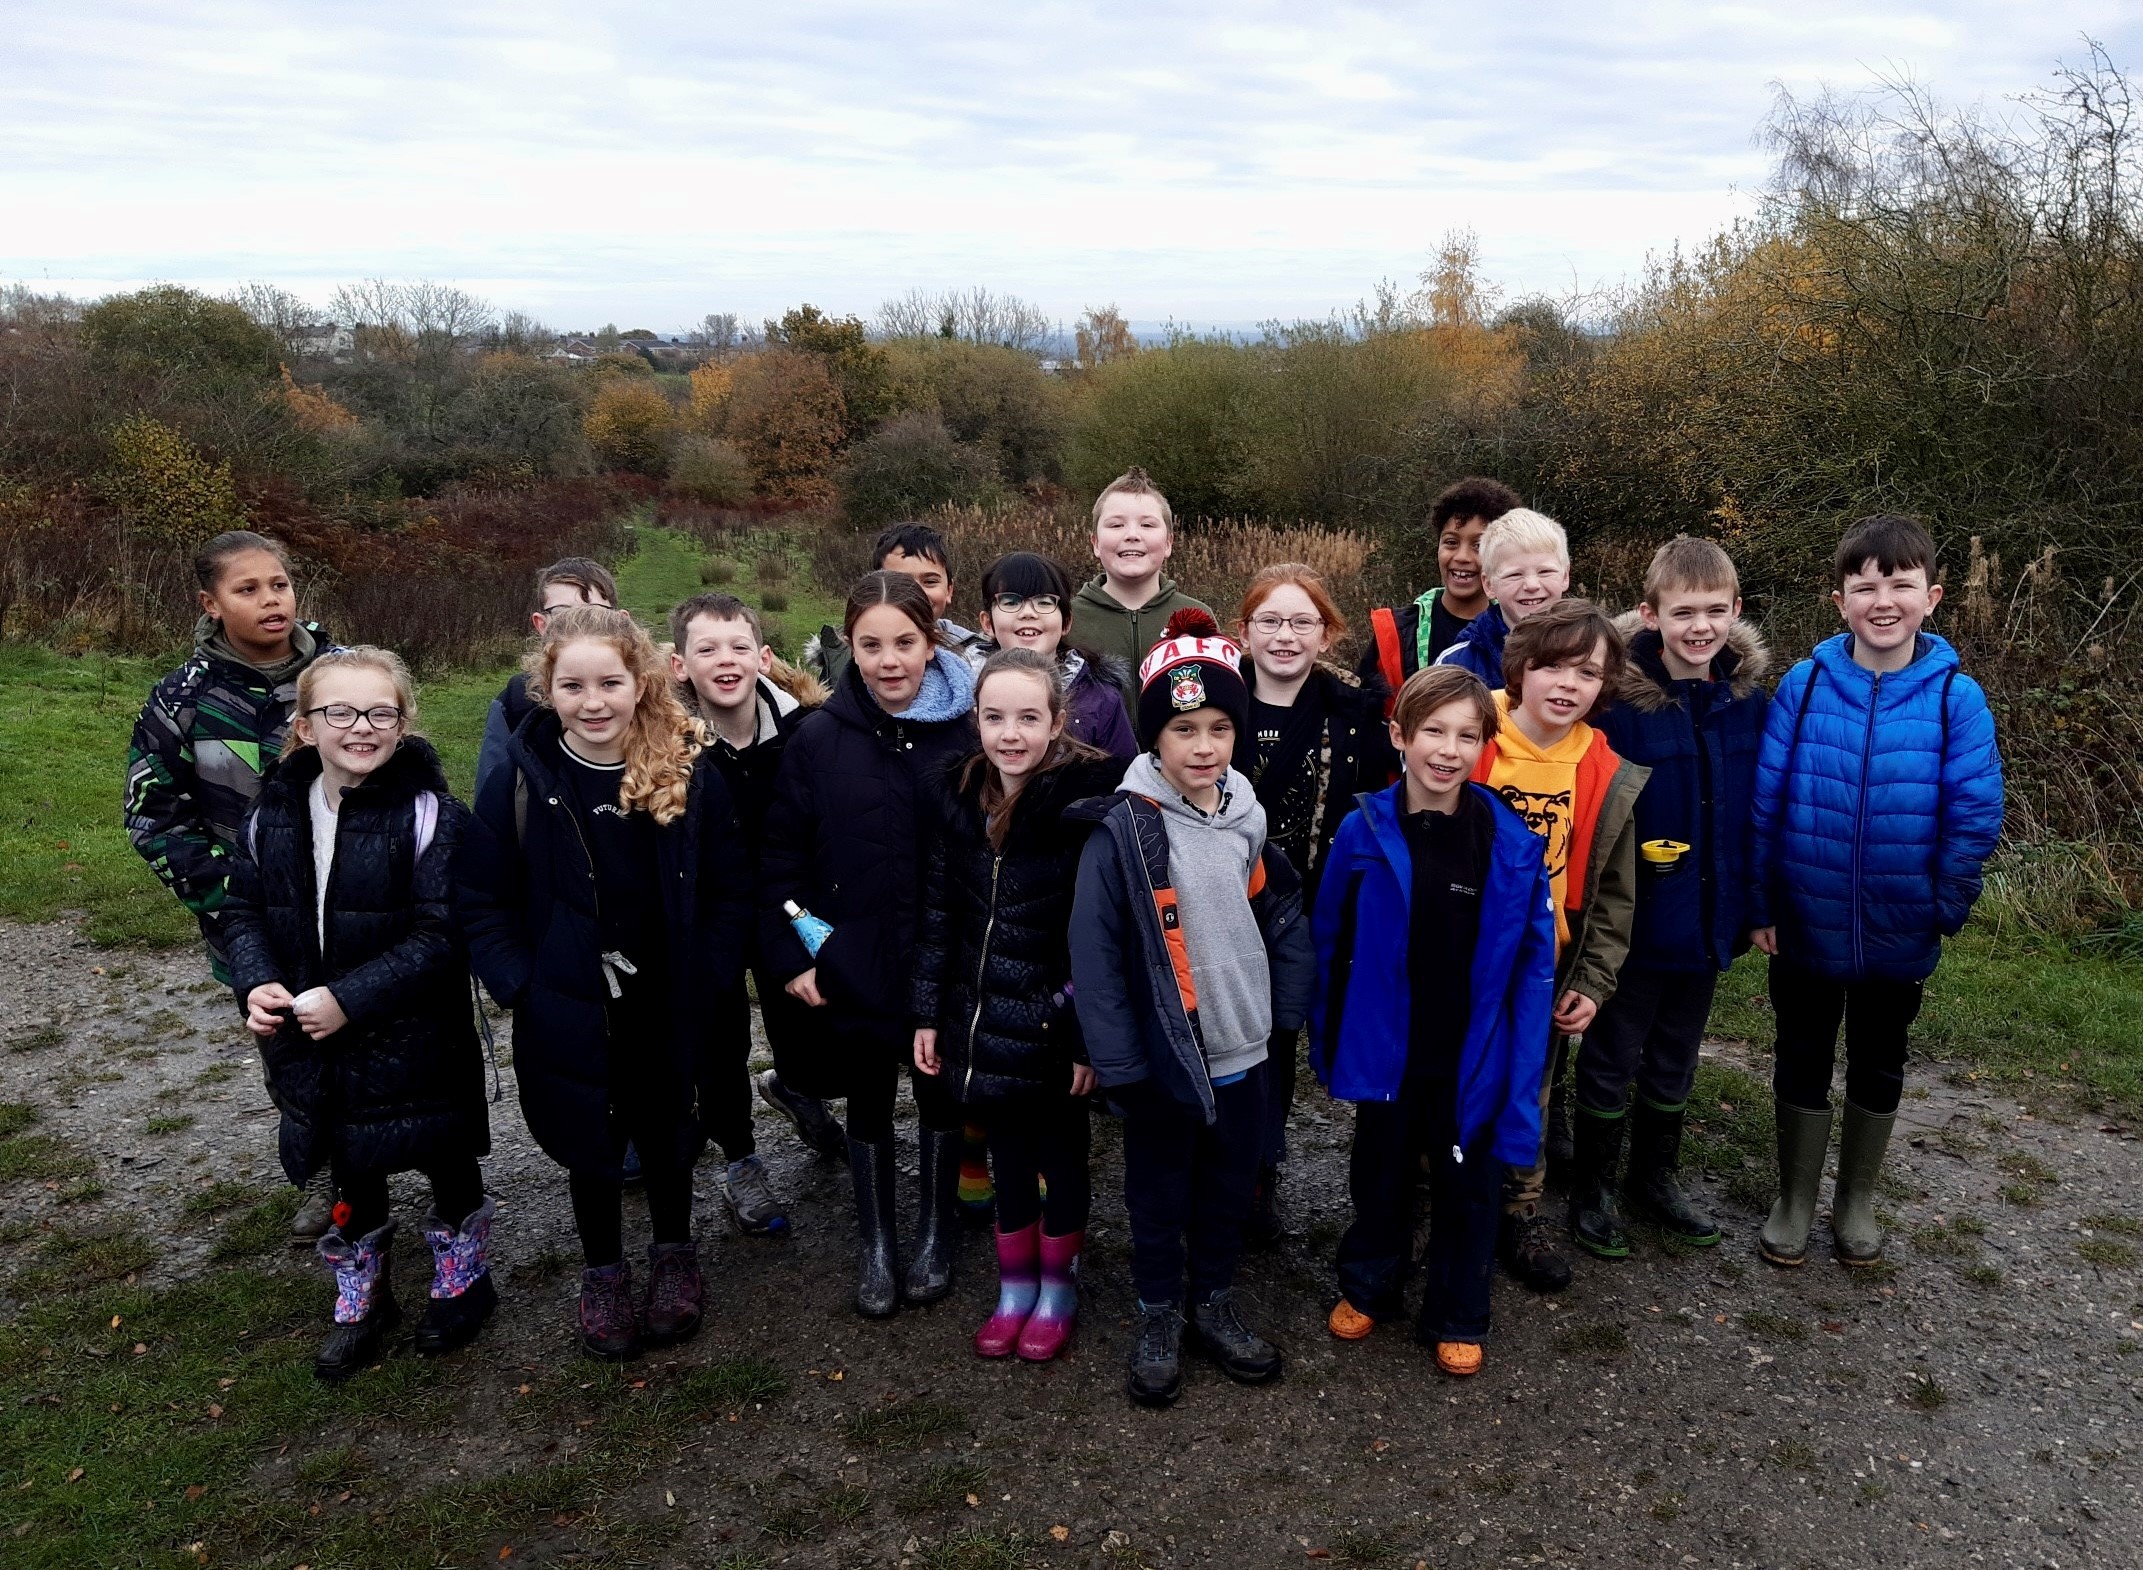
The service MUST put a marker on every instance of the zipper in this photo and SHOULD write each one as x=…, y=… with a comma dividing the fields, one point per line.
x=1860, y=815
x=595, y=893
x=982, y=965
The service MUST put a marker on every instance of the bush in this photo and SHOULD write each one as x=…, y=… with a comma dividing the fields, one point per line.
x=1177, y=413
x=709, y=470
x=910, y=467
x=787, y=416
x=996, y=399
x=629, y=426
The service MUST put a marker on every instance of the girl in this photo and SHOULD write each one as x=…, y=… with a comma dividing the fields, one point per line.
x=1027, y=604
x=606, y=896
x=194, y=765
x=841, y=843
x=343, y=955
x=992, y=983
x=1317, y=740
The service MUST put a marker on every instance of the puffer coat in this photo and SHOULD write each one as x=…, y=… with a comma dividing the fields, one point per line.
x=993, y=961
x=1878, y=800
x=401, y=1086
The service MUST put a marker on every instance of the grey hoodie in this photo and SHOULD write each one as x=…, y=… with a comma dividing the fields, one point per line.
x=1210, y=859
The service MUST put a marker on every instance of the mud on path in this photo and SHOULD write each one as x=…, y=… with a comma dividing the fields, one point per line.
x=1976, y=1400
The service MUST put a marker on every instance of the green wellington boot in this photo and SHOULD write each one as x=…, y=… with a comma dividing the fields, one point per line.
x=1856, y=1236
x=1803, y=1140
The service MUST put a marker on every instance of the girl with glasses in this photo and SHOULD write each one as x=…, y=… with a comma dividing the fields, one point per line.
x=1027, y=604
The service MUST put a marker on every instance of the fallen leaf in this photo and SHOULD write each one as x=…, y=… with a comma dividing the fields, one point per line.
x=974, y=1501
x=195, y=1491
x=1835, y=1326
x=1317, y=1553
x=506, y=1551
x=1061, y=1533
x=214, y=1410
x=669, y=1500
x=225, y=1384
x=639, y=1384
x=75, y=1476
x=524, y=1390
x=140, y=1348
x=115, y=1321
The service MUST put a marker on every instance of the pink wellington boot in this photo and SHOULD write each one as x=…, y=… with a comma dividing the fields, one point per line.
x=1017, y=1286
x=1049, y=1327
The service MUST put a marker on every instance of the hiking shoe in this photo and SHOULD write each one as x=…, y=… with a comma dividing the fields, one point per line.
x=1263, y=1230
x=1217, y=1331
x=814, y=1125
x=1156, y=1376
x=1348, y=1322
x=751, y=1200
x=1460, y=1359
x=1530, y=1253
x=609, y=1329
x=315, y=1212
x=675, y=1293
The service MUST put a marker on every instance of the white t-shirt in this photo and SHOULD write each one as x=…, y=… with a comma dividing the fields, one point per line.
x=323, y=816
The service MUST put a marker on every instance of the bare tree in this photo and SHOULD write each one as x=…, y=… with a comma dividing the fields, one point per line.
x=718, y=333
x=278, y=310
x=423, y=310
x=517, y=332
x=973, y=315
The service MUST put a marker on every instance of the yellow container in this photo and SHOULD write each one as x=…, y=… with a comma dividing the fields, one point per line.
x=1662, y=853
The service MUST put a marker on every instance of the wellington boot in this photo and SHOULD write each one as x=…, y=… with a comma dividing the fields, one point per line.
x=1595, y=1210
x=937, y=1219
x=878, y=1269
x=1863, y=1137
x=1655, y=1184
x=1803, y=1141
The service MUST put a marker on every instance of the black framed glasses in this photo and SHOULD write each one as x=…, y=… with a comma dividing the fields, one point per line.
x=1009, y=604
x=344, y=715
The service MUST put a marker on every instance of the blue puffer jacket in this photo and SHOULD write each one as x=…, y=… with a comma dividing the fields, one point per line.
x=1480, y=649
x=1359, y=1019
x=1878, y=799
x=1700, y=740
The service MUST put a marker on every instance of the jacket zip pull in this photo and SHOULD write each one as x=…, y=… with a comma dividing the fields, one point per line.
x=1458, y=1156
x=613, y=962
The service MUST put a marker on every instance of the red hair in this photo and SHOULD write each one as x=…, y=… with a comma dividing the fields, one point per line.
x=1304, y=577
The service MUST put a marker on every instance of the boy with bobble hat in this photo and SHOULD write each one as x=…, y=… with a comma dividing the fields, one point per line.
x=1188, y=949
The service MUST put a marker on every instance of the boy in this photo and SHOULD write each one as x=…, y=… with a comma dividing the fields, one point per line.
x=1188, y=948
x=1435, y=960
x=1525, y=558
x=1878, y=800
x=1405, y=638
x=574, y=581
x=1691, y=709
x=919, y=552
x=1562, y=777
x=1123, y=612
x=722, y=664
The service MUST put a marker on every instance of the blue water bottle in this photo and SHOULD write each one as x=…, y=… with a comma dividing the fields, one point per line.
x=809, y=928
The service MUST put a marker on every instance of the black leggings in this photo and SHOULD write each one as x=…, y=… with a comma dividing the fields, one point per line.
x=599, y=1211
x=872, y=1094
x=1877, y=1015
x=457, y=1189
x=1045, y=1139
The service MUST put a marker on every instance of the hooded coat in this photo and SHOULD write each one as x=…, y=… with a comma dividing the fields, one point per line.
x=1102, y=624
x=401, y=1085
x=1480, y=647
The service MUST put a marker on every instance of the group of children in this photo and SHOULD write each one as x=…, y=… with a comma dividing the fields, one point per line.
x=1096, y=852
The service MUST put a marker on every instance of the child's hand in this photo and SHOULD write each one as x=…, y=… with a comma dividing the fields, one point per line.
x=264, y=1006
x=805, y=988
x=317, y=1013
x=1765, y=938
x=1573, y=1013
x=1082, y=1080
x=926, y=1051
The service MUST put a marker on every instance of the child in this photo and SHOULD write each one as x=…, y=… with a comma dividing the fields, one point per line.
x=209, y=727
x=992, y=985
x=344, y=956
x=1027, y=604
x=1316, y=741
x=841, y=842
x=919, y=552
x=726, y=678
x=563, y=584
x=1561, y=776
x=1124, y=610
x=1692, y=711
x=1878, y=800
x=1435, y=964
x=1405, y=638
x=1189, y=950
x=1525, y=558
x=605, y=890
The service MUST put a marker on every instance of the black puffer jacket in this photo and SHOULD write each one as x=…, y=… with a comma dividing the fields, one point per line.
x=402, y=1085
x=842, y=841
x=525, y=895
x=994, y=958
x=1353, y=754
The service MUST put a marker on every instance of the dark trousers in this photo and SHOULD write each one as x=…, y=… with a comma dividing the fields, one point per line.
x=457, y=1189
x=1188, y=1187
x=875, y=1089
x=1281, y=1053
x=1039, y=1142
x=1465, y=1194
x=1649, y=1033
x=1877, y=1015
x=725, y=1078
x=599, y=1210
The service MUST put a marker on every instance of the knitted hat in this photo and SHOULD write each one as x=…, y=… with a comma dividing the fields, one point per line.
x=1192, y=667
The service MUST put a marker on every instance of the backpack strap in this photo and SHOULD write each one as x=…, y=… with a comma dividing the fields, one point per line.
x=1384, y=630
x=425, y=809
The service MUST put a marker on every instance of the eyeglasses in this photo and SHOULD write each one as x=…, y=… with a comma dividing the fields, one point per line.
x=1010, y=604
x=1300, y=626
x=342, y=716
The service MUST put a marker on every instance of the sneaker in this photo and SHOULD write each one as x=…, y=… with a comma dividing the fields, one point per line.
x=1156, y=1376
x=609, y=1329
x=1460, y=1359
x=1217, y=1331
x=315, y=1212
x=751, y=1200
x=676, y=1295
x=1348, y=1322
x=814, y=1125
x=1530, y=1253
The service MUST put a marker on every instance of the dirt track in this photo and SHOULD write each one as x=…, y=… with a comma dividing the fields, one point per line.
x=1977, y=1401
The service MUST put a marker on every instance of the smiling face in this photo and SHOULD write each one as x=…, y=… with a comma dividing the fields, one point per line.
x=927, y=571
x=1132, y=540
x=1013, y=718
x=722, y=660
x=1884, y=611
x=1555, y=697
x=1285, y=634
x=595, y=693
x=1527, y=581
x=257, y=604
x=347, y=756
x=1027, y=627
x=1194, y=750
x=1458, y=560
x=891, y=654
x=1692, y=625
x=1441, y=754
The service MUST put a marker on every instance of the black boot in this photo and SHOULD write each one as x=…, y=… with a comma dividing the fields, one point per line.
x=463, y=1295
x=1218, y=1332
x=1263, y=1230
x=1595, y=1212
x=1529, y=1253
x=936, y=1224
x=1156, y=1375
x=365, y=1309
x=1655, y=1183
x=878, y=1273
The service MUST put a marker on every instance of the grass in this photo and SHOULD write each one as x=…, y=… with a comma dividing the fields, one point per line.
x=903, y=1425
x=732, y=1385
x=975, y=1551
x=1776, y=1327
x=27, y=1157
x=1600, y=1339
x=169, y=1123
x=263, y=1229
x=2106, y=1254
x=1924, y=1393
x=69, y=1261
x=1731, y=1134
x=944, y=1487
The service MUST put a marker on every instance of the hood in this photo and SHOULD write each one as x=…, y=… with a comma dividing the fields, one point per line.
x=414, y=767
x=1240, y=810
x=305, y=642
x=1933, y=659
x=1095, y=593
x=1489, y=627
x=773, y=704
x=1647, y=687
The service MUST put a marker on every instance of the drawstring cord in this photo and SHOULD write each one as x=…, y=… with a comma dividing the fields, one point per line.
x=615, y=964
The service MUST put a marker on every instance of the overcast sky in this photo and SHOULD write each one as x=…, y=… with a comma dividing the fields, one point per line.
x=647, y=163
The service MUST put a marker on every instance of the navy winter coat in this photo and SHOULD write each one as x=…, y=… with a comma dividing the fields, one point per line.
x=1360, y=1023
x=525, y=895
x=401, y=1086
x=1878, y=799
x=1700, y=740
x=1480, y=647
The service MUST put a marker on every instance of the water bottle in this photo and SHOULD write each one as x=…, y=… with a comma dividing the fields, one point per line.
x=808, y=927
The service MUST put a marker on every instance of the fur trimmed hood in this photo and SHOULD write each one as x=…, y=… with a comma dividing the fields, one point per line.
x=1645, y=683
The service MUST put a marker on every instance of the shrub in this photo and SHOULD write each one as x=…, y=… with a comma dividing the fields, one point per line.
x=996, y=399
x=787, y=416
x=709, y=470
x=708, y=405
x=629, y=426
x=910, y=467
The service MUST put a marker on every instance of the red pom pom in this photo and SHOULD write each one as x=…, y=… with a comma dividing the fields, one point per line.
x=1191, y=622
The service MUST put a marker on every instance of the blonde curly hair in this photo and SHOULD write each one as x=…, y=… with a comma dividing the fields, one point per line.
x=662, y=741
